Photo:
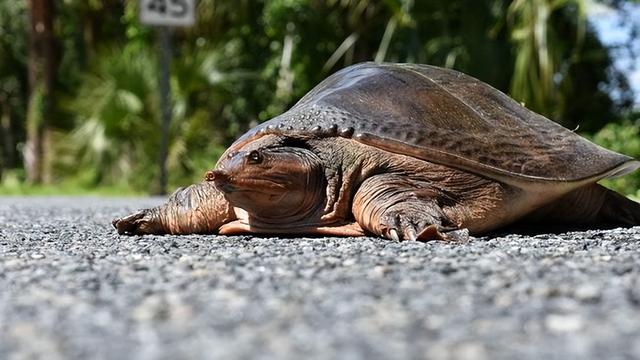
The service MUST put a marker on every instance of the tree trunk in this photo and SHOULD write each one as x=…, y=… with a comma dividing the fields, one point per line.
x=8, y=139
x=42, y=68
x=3, y=139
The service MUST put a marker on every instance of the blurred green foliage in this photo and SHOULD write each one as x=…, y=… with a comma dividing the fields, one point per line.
x=624, y=138
x=246, y=61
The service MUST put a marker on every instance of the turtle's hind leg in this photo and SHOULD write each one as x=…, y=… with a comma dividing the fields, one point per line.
x=590, y=205
x=197, y=209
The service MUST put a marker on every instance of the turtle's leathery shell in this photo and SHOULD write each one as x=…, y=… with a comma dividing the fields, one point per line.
x=446, y=117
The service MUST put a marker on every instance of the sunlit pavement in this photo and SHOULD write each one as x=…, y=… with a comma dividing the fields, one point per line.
x=71, y=288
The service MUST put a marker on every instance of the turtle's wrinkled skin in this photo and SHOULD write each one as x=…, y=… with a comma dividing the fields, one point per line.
x=401, y=151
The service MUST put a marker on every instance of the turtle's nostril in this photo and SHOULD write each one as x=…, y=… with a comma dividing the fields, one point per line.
x=216, y=175
x=219, y=177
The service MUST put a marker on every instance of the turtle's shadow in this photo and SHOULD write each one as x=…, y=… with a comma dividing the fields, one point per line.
x=528, y=229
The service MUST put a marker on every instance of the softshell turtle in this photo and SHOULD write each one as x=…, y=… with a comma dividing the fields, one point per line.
x=402, y=151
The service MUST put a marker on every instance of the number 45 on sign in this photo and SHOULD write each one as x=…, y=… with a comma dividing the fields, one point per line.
x=167, y=12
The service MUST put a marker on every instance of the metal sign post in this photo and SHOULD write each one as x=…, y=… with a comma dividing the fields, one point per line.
x=165, y=105
x=164, y=14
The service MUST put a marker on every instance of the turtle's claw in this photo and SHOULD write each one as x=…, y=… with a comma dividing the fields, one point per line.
x=393, y=234
x=411, y=234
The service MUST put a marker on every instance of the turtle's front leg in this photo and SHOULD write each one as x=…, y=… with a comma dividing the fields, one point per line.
x=197, y=209
x=395, y=207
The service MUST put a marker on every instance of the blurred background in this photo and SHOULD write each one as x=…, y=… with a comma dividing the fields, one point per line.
x=79, y=101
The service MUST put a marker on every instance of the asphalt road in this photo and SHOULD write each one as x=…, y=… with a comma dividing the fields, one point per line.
x=71, y=288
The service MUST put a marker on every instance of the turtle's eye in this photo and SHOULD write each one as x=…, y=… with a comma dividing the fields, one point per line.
x=254, y=157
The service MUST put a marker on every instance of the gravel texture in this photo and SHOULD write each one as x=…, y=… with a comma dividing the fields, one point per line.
x=71, y=288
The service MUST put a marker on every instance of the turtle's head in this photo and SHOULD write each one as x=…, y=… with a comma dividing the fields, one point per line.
x=271, y=184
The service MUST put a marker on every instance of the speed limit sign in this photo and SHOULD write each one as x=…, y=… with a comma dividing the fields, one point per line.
x=167, y=12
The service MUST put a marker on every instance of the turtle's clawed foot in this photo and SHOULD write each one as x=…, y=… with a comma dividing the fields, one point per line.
x=398, y=227
x=415, y=224
x=138, y=223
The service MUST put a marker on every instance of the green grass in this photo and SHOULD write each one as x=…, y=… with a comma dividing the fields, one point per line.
x=50, y=190
x=13, y=184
